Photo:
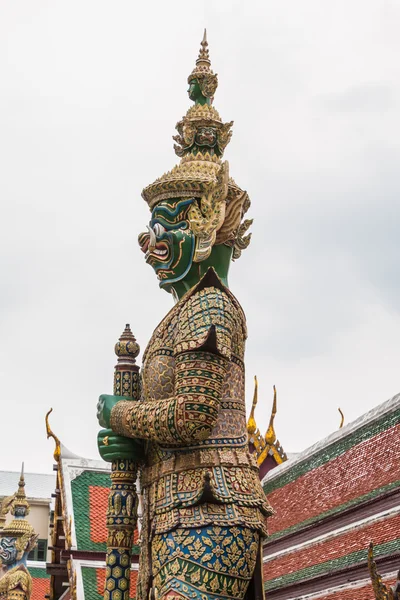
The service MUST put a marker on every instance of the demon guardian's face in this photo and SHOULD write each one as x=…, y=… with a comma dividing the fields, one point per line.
x=169, y=244
x=8, y=550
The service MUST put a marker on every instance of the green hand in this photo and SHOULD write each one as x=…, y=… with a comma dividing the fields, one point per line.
x=112, y=447
x=105, y=406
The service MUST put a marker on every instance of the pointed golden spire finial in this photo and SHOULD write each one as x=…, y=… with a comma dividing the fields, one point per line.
x=251, y=423
x=57, y=451
x=21, y=483
x=342, y=419
x=202, y=73
x=20, y=506
x=270, y=436
x=204, y=53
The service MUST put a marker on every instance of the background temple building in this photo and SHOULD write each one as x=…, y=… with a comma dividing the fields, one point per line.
x=330, y=500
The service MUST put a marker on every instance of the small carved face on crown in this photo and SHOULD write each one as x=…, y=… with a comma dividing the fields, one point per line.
x=8, y=550
x=206, y=136
x=20, y=511
x=169, y=244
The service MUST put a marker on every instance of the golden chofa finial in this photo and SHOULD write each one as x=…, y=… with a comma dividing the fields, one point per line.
x=270, y=436
x=50, y=434
x=342, y=419
x=251, y=423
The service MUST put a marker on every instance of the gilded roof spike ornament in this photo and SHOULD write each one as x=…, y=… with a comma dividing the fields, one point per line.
x=50, y=434
x=251, y=423
x=270, y=436
x=342, y=418
x=381, y=591
x=267, y=444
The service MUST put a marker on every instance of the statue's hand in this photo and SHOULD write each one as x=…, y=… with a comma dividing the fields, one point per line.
x=104, y=408
x=112, y=446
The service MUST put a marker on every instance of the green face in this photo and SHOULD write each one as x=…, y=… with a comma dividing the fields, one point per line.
x=169, y=245
x=196, y=94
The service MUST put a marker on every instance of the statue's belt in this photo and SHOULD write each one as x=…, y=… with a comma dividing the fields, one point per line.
x=209, y=457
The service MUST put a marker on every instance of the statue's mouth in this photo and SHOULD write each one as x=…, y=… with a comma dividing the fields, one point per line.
x=158, y=252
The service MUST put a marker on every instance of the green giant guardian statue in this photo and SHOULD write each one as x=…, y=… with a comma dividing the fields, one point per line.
x=204, y=511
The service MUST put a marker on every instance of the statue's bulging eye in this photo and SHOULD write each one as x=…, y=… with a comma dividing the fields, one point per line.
x=158, y=229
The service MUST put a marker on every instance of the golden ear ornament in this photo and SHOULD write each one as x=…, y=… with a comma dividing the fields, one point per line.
x=208, y=216
x=242, y=241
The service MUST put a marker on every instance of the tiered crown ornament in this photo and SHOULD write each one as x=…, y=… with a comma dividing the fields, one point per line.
x=215, y=204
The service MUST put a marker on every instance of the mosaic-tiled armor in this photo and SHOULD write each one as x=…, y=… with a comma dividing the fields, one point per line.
x=199, y=473
x=204, y=510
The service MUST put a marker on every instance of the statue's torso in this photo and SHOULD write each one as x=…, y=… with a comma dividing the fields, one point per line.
x=215, y=480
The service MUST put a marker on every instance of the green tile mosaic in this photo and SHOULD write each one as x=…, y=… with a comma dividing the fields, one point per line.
x=38, y=573
x=80, y=499
x=89, y=578
x=81, y=504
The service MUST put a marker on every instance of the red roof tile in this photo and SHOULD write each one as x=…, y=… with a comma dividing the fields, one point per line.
x=40, y=587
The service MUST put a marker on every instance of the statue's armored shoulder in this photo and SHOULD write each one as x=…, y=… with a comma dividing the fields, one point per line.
x=211, y=318
x=14, y=579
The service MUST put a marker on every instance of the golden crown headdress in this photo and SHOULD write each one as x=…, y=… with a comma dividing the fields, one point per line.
x=201, y=173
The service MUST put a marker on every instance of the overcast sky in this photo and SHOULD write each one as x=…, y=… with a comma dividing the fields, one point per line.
x=90, y=92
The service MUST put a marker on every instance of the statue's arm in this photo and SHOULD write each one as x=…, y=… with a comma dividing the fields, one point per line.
x=189, y=415
x=207, y=323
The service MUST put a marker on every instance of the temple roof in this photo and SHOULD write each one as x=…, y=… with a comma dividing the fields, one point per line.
x=331, y=500
x=85, y=485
